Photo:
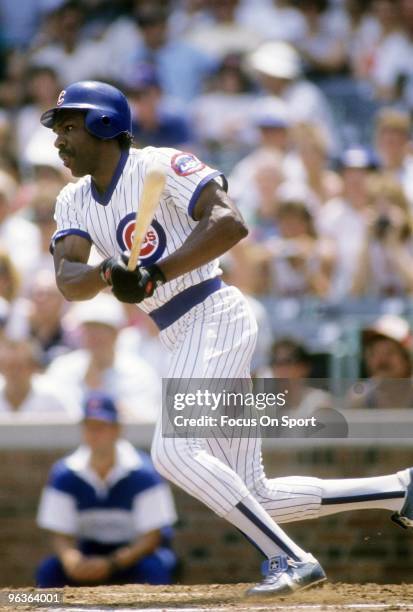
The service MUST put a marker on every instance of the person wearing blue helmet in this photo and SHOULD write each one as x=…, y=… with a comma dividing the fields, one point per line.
x=207, y=327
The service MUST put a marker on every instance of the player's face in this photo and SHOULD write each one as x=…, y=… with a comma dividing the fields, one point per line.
x=78, y=149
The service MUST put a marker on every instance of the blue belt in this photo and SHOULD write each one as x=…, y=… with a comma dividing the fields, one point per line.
x=180, y=304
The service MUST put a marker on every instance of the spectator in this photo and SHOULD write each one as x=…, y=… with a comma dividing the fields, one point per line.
x=186, y=16
x=221, y=114
x=109, y=512
x=278, y=68
x=41, y=204
x=392, y=137
x=23, y=390
x=7, y=144
x=381, y=49
x=18, y=236
x=180, y=67
x=254, y=180
x=10, y=282
x=296, y=262
x=387, y=347
x=311, y=146
x=385, y=264
x=155, y=123
x=71, y=56
x=323, y=44
x=405, y=80
x=42, y=91
x=292, y=364
x=100, y=365
x=274, y=20
x=224, y=35
x=344, y=219
x=39, y=316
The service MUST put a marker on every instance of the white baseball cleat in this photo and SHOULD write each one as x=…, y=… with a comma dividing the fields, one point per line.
x=404, y=518
x=286, y=576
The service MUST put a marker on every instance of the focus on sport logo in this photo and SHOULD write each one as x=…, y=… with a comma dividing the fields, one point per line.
x=153, y=245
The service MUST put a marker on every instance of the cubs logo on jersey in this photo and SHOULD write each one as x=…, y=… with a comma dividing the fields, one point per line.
x=185, y=164
x=153, y=245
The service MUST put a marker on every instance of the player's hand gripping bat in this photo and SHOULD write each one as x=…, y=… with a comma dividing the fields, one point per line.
x=130, y=283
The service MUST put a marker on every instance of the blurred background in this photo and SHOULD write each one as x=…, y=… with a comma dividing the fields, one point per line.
x=307, y=107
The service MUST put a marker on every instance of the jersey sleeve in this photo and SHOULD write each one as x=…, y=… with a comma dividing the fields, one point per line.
x=186, y=176
x=68, y=217
x=57, y=509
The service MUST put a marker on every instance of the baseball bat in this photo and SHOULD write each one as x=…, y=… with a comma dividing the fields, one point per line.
x=153, y=187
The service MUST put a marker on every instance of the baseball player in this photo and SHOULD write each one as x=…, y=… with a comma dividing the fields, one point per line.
x=207, y=326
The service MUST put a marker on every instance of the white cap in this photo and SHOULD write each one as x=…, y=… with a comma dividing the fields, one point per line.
x=276, y=59
x=103, y=308
x=390, y=326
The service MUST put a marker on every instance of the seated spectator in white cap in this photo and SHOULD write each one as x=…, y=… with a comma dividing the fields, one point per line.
x=344, y=219
x=23, y=391
x=109, y=511
x=387, y=352
x=277, y=65
x=101, y=365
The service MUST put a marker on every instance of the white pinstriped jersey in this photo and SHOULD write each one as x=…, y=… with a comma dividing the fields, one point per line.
x=108, y=220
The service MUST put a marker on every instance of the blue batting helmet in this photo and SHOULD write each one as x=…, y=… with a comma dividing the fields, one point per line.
x=107, y=112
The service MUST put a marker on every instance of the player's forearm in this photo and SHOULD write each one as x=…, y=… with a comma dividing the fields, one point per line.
x=210, y=239
x=78, y=281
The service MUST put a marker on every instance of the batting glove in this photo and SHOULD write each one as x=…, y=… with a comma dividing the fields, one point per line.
x=130, y=286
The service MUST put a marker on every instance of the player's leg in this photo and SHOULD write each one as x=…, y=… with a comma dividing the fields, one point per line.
x=295, y=498
x=218, y=341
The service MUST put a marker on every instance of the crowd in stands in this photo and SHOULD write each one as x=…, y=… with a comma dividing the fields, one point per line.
x=307, y=107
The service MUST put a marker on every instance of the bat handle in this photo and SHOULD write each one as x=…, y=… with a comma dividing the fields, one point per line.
x=133, y=262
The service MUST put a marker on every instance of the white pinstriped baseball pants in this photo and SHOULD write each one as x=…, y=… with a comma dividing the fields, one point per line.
x=216, y=339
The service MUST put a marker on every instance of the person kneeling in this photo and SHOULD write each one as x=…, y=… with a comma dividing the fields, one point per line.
x=109, y=511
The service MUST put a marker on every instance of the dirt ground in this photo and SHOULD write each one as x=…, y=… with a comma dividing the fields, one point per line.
x=222, y=597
